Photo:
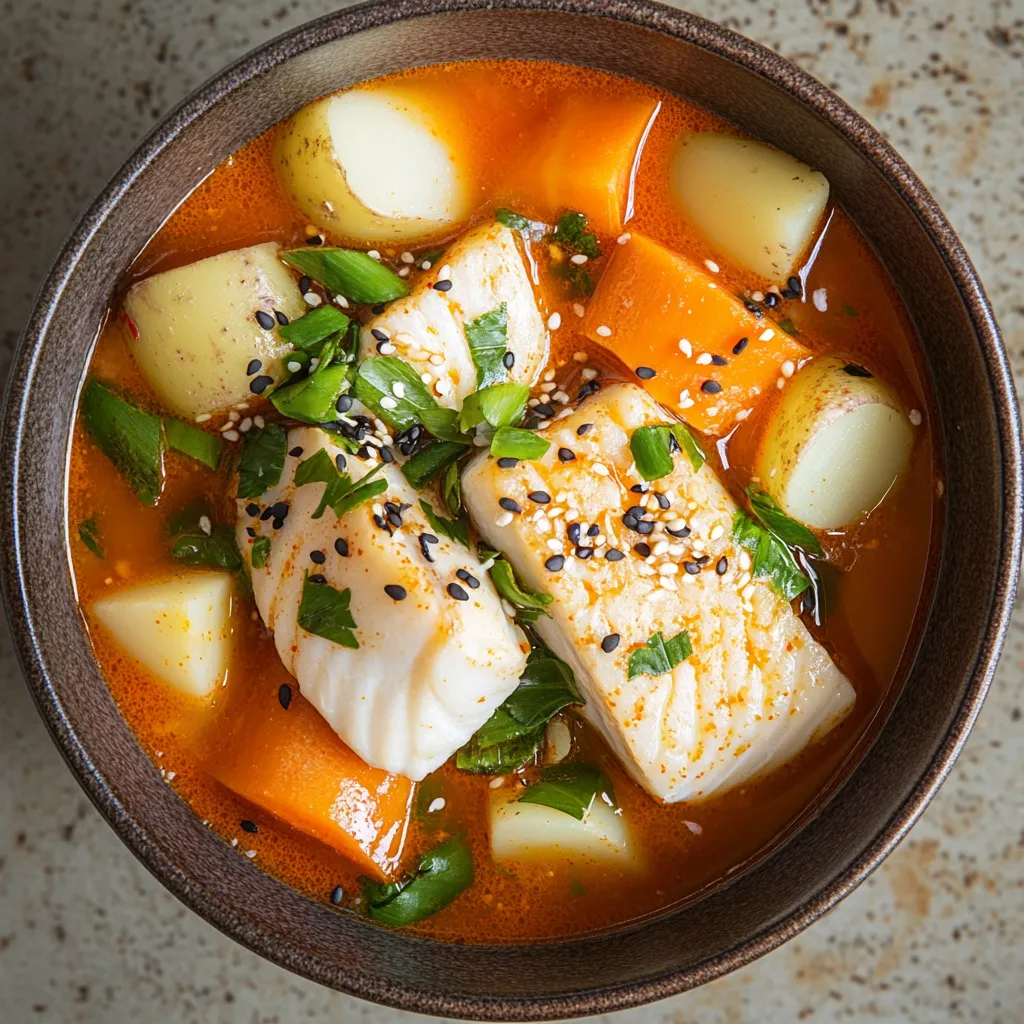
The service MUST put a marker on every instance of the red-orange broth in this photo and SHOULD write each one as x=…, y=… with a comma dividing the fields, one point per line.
x=872, y=617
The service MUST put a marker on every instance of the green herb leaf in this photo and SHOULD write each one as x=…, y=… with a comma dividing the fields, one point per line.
x=347, y=272
x=432, y=459
x=451, y=489
x=376, y=380
x=262, y=460
x=515, y=443
x=529, y=604
x=312, y=400
x=364, y=491
x=216, y=549
x=500, y=405
x=340, y=494
x=260, y=552
x=787, y=325
x=688, y=445
x=318, y=468
x=660, y=656
x=324, y=612
x=487, y=336
x=788, y=530
x=651, y=448
x=511, y=219
x=772, y=560
x=571, y=231
x=455, y=529
x=510, y=737
x=441, y=875
x=570, y=788
x=130, y=438
x=312, y=328
x=196, y=444
x=89, y=534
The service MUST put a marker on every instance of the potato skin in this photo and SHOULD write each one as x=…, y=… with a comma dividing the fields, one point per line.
x=863, y=440
x=193, y=330
x=310, y=173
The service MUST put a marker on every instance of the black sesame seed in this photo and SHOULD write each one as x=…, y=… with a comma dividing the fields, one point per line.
x=250, y=531
x=662, y=500
x=343, y=404
x=740, y=346
x=614, y=555
x=279, y=510
x=610, y=642
x=636, y=511
x=643, y=549
x=317, y=556
x=341, y=462
x=692, y=568
x=638, y=489
x=754, y=308
x=711, y=387
x=539, y=497
x=645, y=372
x=380, y=346
x=544, y=410
x=395, y=519
x=682, y=533
x=284, y=696
x=508, y=360
x=454, y=590
x=771, y=300
x=277, y=524
x=318, y=578
x=395, y=592
x=379, y=334
x=673, y=443
x=703, y=560
x=315, y=240
x=566, y=455
x=468, y=578
x=573, y=532
x=268, y=513
x=337, y=895
x=583, y=428
x=390, y=506
x=386, y=454
x=341, y=546
x=583, y=553
x=425, y=547
x=265, y=320
x=590, y=388
x=630, y=522
x=856, y=370
x=722, y=565
x=255, y=365
x=645, y=527
x=282, y=319
x=295, y=452
x=305, y=284
x=555, y=563
x=507, y=462
x=593, y=530
x=789, y=293
x=378, y=309
x=363, y=452
x=430, y=538
x=260, y=384
x=253, y=509
x=794, y=284
x=509, y=505
x=249, y=826
x=443, y=286
x=719, y=360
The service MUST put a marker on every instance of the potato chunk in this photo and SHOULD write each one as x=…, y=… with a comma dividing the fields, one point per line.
x=757, y=205
x=836, y=444
x=194, y=329
x=178, y=629
x=371, y=165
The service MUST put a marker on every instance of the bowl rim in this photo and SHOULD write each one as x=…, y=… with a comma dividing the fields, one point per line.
x=859, y=134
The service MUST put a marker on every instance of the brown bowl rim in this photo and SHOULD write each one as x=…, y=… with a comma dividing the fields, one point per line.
x=859, y=134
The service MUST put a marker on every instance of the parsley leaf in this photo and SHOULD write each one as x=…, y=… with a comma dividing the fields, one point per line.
x=516, y=443
x=529, y=605
x=787, y=529
x=652, y=449
x=89, y=534
x=660, y=656
x=571, y=232
x=262, y=460
x=455, y=529
x=216, y=549
x=499, y=405
x=406, y=404
x=340, y=494
x=772, y=560
x=324, y=612
x=486, y=336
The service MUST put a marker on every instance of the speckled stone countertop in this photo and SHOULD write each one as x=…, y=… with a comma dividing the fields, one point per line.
x=937, y=934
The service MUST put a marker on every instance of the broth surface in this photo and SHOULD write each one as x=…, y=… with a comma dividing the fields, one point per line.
x=881, y=567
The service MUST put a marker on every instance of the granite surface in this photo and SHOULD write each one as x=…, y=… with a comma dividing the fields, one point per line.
x=86, y=935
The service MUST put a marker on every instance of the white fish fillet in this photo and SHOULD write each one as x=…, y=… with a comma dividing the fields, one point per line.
x=486, y=269
x=429, y=669
x=757, y=687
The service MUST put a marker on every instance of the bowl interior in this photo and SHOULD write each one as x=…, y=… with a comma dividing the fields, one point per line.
x=784, y=891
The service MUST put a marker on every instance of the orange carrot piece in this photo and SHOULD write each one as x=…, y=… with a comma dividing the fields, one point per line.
x=658, y=306
x=293, y=765
x=584, y=158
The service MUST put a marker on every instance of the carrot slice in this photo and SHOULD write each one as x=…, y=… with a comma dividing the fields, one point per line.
x=293, y=765
x=659, y=306
x=584, y=158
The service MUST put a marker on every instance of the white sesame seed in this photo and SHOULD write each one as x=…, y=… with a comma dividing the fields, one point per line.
x=205, y=525
x=766, y=335
x=667, y=584
x=398, y=389
x=712, y=266
x=496, y=783
x=686, y=403
x=543, y=525
x=387, y=402
x=748, y=592
x=703, y=359
x=820, y=299
x=711, y=284
x=744, y=560
x=250, y=854
x=436, y=360
x=589, y=373
x=387, y=349
x=234, y=842
x=341, y=301
x=231, y=435
x=555, y=544
x=599, y=468
x=407, y=257
x=604, y=331
x=427, y=378
x=579, y=357
x=426, y=265
x=445, y=273
x=742, y=415
x=373, y=254
x=443, y=387
x=543, y=423
x=645, y=570
x=788, y=368
x=685, y=347
x=578, y=309
x=561, y=397
x=403, y=272
x=717, y=531
x=504, y=519
x=660, y=548
x=554, y=321
x=623, y=238
x=668, y=569
x=548, y=386
x=259, y=421
x=757, y=296
x=245, y=424
x=915, y=417
x=549, y=376
x=578, y=258
x=294, y=367
x=312, y=299
x=712, y=410
x=780, y=383
x=203, y=417
x=437, y=804
x=225, y=426
x=314, y=362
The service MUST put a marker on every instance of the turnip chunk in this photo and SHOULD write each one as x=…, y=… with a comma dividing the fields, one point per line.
x=194, y=330
x=533, y=832
x=371, y=165
x=178, y=629
x=757, y=205
x=835, y=446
